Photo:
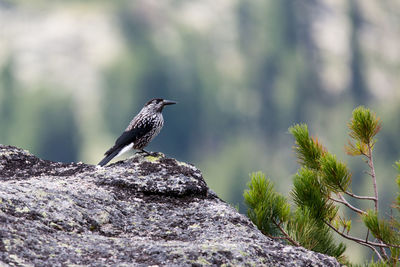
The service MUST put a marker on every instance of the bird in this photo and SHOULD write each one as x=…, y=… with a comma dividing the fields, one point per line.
x=141, y=130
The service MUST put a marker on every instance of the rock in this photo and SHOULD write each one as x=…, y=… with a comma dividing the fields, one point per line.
x=146, y=210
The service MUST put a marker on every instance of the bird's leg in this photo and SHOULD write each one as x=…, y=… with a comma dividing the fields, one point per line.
x=142, y=151
x=145, y=151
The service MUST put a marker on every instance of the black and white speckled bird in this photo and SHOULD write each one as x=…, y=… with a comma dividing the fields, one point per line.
x=141, y=130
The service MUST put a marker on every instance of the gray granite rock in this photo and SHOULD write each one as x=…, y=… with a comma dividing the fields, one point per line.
x=146, y=210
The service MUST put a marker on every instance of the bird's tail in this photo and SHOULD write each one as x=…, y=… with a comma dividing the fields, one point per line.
x=109, y=157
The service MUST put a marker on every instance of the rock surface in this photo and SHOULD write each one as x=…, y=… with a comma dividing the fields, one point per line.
x=147, y=210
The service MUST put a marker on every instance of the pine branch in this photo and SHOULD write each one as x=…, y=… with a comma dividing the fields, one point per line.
x=373, y=176
x=359, y=241
x=343, y=201
x=287, y=237
x=359, y=197
x=366, y=243
x=383, y=251
x=367, y=172
x=371, y=165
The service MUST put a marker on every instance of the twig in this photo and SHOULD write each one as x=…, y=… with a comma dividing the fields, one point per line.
x=360, y=241
x=384, y=252
x=347, y=204
x=371, y=165
x=367, y=172
x=359, y=197
x=373, y=176
x=286, y=234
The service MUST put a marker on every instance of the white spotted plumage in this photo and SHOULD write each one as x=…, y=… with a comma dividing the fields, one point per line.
x=141, y=130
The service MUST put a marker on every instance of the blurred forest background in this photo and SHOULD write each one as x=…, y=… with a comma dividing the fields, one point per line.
x=74, y=73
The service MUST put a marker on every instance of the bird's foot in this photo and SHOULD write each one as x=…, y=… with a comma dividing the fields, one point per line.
x=147, y=153
x=142, y=151
x=155, y=154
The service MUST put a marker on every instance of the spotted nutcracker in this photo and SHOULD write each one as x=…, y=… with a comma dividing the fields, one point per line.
x=141, y=130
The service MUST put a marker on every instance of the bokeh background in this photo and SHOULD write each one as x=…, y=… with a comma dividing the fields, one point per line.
x=74, y=73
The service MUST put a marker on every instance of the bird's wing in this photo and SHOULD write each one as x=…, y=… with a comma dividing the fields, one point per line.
x=129, y=137
x=124, y=141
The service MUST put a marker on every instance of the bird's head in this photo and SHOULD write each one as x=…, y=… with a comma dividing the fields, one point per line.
x=157, y=104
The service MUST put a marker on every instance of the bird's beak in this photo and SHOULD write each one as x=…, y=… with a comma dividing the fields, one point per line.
x=168, y=102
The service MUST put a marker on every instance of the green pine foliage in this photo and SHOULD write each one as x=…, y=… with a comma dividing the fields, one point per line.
x=313, y=234
x=308, y=150
x=381, y=229
x=267, y=208
x=303, y=228
x=335, y=175
x=364, y=125
x=372, y=263
x=271, y=212
x=321, y=185
x=310, y=193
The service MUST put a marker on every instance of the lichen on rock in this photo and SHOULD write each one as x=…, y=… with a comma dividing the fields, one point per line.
x=146, y=210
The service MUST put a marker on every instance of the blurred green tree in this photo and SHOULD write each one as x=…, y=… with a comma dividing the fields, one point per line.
x=320, y=186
